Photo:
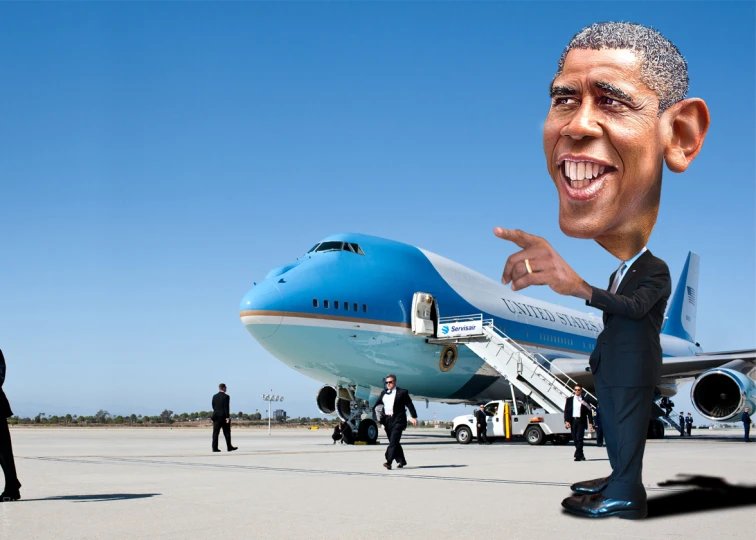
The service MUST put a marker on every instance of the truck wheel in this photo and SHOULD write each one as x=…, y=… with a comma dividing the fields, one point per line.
x=368, y=431
x=534, y=435
x=464, y=435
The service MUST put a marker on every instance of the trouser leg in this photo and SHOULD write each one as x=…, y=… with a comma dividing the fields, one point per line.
x=394, y=450
x=599, y=436
x=6, y=457
x=216, y=431
x=628, y=423
x=578, y=436
x=227, y=434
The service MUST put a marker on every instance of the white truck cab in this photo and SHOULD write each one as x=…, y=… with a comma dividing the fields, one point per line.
x=535, y=425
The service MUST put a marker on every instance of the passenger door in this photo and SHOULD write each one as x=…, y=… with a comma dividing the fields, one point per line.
x=495, y=421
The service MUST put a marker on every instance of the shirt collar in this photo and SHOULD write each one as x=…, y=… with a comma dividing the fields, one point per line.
x=630, y=262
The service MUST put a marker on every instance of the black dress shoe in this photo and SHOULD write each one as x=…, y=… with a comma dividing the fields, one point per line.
x=401, y=465
x=598, y=506
x=216, y=450
x=7, y=496
x=387, y=466
x=597, y=485
x=581, y=458
x=232, y=448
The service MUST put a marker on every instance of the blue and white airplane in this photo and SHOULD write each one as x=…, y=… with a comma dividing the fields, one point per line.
x=342, y=314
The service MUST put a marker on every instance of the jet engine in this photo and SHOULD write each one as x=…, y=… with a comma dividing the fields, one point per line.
x=722, y=393
x=326, y=399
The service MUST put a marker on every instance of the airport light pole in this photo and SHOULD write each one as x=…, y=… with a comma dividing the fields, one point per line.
x=269, y=398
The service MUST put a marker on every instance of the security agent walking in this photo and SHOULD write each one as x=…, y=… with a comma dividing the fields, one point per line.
x=222, y=418
x=12, y=485
x=745, y=418
x=394, y=401
x=481, y=421
x=577, y=417
x=681, y=421
x=688, y=424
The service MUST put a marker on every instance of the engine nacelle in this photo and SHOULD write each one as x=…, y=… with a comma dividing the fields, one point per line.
x=326, y=399
x=722, y=393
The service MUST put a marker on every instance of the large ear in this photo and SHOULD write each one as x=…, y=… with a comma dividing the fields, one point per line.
x=688, y=121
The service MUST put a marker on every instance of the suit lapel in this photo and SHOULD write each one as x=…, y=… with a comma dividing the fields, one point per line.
x=634, y=271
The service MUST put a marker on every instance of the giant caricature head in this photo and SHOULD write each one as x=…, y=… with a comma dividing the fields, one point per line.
x=618, y=112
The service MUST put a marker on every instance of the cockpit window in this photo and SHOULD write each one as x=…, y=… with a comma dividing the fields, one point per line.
x=337, y=246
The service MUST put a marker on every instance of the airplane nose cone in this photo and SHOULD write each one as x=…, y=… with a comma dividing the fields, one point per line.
x=262, y=310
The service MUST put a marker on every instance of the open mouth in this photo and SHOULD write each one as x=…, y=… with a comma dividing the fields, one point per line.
x=583, y=179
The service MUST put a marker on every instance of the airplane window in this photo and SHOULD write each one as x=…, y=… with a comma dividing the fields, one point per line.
x=313, y=247
x=347, y=246
x=355, y=307
x=330, y=246
x=346, y=306
x=356, y=248
x=314, y=302
x=364, y=308
x=325, y=304
x=335, y=304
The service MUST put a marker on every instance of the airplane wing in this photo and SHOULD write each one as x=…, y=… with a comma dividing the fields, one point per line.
x=673, y=367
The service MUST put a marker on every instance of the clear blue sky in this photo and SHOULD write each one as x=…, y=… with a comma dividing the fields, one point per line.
x=158, y=158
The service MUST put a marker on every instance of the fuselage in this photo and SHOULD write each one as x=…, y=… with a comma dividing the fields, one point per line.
x=343, y=317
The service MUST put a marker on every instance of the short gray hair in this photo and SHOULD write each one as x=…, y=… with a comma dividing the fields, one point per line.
x=663, y=69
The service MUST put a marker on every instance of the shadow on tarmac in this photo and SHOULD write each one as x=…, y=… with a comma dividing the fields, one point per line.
x=94, y=498
x=708, y=493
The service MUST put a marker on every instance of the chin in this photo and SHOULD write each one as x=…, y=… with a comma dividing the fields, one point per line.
x=579, y=228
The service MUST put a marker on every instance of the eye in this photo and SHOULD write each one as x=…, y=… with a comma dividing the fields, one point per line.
x=564, y=100
x=611, y=102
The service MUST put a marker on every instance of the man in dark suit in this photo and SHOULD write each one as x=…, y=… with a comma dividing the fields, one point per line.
x=611, y=127
x=688, y=424
x=222, y=418
x=394, y=401
x=746, y=419
x=481, y=421
x=681, y=422
x=12, y=485
x=577, y=417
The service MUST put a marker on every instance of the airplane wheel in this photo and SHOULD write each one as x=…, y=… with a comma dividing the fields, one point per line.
x=368, y=431
x=534, y=435
x=464, y=435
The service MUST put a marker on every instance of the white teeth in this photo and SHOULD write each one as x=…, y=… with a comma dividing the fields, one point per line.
x=580, y=173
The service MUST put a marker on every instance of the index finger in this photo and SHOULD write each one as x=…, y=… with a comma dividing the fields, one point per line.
x=521, y=238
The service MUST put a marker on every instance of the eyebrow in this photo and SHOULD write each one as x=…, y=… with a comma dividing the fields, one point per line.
x=562, y=91
x=605, y=86
x=613, y=90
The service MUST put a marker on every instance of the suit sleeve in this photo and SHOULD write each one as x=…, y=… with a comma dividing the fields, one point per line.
x=227, y=406
x=567, y=416
x=650, y=290
x=379, y=402
x=411, y=406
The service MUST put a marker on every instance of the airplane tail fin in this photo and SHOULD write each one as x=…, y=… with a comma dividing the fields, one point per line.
x=681, y=317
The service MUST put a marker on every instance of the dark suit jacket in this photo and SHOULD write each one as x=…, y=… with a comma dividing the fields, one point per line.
x=586, y=415
x=481, y=418
x=221, y=406
x=5, y=410
x=401, y=401
x=628, y=351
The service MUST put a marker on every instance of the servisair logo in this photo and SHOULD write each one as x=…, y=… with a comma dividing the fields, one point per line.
x=444, y=329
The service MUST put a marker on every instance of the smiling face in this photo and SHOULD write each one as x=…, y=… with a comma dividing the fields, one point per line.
x=604, y=149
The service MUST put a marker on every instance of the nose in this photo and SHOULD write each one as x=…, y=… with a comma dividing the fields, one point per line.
x=262, y=310
x=583, y=122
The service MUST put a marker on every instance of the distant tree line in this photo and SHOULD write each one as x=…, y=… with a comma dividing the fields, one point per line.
x=166, y=417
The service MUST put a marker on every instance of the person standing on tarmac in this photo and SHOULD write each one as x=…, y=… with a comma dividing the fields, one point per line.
x=481, y=421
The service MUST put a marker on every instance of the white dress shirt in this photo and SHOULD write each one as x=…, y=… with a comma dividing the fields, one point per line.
x=576, y=404
x=388, y=402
